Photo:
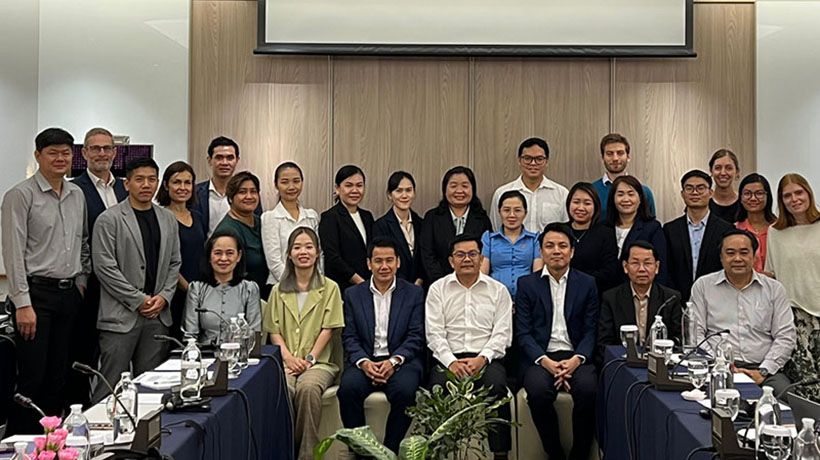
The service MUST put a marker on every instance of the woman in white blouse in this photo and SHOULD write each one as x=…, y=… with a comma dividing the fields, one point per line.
x=278, y=223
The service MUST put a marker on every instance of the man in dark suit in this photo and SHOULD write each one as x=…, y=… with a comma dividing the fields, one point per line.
x=556, y=317
x=637, y=301
x=101, y=190
x=211, y=202
x=694, y=237
x=384, y=339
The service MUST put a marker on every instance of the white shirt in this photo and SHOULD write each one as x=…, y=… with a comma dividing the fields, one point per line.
x=301, y=298
x=381, y=313
x=409, y=236
x=544, y=206
x=277, y=225
x=468, y=320
x=218, y=207
x=559, y=336
x=357, y=219
x=459, y=222
x=620, y=237
x=104, y=189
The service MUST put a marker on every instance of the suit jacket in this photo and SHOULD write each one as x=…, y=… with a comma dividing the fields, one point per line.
x=405, y=330
x=202, y=191
x=597, y=255
x=93, y=201
x=618, y=309
x=437, y=234
x=119, y=263
x=533, y=315
x=679, y=265
x=651, y=232
x=388, y=226
x=345, y=252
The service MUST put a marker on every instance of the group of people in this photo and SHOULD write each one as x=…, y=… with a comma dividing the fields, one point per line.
x=529, y=291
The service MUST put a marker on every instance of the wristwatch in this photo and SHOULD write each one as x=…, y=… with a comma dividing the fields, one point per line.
x=311, y=359
x=396, y=362
x=763, y=371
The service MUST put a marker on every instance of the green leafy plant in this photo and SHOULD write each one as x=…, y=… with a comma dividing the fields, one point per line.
x=449, y=423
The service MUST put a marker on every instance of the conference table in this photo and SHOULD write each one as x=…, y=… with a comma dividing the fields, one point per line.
x=663, y=424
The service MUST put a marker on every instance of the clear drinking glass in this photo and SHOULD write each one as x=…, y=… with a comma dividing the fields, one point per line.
x=664, y=347
x=629, y=330
x=728, y=399
x=698, y=370
x=776, y=442
x=230, y=353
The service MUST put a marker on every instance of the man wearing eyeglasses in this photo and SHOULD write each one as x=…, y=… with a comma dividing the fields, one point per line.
x=469, y=328
x=101, y=190
x=545, y=198
x=693, y=238
x=615, y=156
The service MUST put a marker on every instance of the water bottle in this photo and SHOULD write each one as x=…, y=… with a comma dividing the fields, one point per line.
x=128, y=393
x=767, y=412
x=657, y=331
x=720, y=378
x=245, y=334
x=805, y=445
x=76, y=424
x=193, y=375
x=688, y=340
x=80, y=443
x=20, y=451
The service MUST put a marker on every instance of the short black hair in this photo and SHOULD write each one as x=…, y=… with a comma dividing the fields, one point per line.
x=236, y=181
x=464, y=238
x=222, y=141
x=395, y=179
x=559, y=227
x=737, y=231
x=639, y=244
x=284, y=166
x=475, y=204
x=347, y=171
x=696, y=173
x=140, y=162
x=53, y=136
x=382, y=242
x=512, y=194
x=208, y=270
x=534, y=141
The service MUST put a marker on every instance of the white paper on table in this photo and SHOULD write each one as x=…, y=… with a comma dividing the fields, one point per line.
x=707, y=403
x=158, y=380
x=20, y=438
x=742, y=378
x=175, y=365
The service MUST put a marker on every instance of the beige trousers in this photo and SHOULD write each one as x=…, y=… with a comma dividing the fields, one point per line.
x=305, y=392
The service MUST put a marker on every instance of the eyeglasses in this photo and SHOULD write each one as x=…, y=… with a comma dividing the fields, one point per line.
x=97, y=148
x=638, y=265
x=461, y=255
x=534, y=160
x=702, y=188
x=759, y=194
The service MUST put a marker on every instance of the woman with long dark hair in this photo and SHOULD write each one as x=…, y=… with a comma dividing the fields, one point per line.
x=755, y=214
x=403, y=225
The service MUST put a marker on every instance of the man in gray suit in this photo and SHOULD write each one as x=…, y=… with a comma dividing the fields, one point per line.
x=136, y=258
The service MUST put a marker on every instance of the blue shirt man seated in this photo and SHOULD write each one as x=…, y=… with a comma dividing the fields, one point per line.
x=556, y=317
x=384, y=338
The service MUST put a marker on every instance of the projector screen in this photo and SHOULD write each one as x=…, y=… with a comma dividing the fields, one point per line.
x=477, y=27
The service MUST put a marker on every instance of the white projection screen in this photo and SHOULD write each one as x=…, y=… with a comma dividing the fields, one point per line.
x=477, y=27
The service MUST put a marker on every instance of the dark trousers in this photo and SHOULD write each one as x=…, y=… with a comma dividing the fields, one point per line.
x=495, y=377
x=541, y=394
x=400, y=389
x=42, y=363
x=85, y=346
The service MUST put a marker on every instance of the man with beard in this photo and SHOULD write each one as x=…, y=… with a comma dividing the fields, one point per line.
x=615, y=155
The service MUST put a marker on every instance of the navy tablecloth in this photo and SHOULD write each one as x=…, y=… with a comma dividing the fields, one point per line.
x=667, y=426
x=225, y=429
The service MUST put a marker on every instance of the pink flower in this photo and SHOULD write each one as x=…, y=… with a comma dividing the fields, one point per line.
x=61, y=433
x=54, y=441
x=47, y=455
x=68, y=454
x=40, y=442
x=50, y=423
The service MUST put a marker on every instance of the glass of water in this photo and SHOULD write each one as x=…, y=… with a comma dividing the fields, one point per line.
x=728, y=399
x=230, y=353
x=698, y=370
x=629, y=330
x=776, y=442
x=664, y=347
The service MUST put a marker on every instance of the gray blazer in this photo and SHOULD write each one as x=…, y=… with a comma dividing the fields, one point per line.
x=119, y=263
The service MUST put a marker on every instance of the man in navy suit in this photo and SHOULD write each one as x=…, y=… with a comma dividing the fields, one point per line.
x=384, y=338
x=556, y=317
x=211, y=202
x=102, y=190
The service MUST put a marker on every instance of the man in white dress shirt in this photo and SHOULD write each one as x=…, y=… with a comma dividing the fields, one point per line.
x=546, y=199
x=469, y=327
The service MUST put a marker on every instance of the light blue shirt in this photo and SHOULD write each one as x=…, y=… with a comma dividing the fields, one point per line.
x=510, y=261
x=695, y=239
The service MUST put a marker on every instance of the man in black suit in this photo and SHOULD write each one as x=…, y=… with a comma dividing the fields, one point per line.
x=223, y=156
x=384, y=342
x=637, y=301
x=101, y=190
x=693, y=238
x=556, y=318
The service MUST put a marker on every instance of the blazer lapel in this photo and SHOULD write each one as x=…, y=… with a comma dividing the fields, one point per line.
x=119, y=190
x=164, y=255
x=133, y=227
x=291, y=305
x=569, y=296
x=625, y=298
x=347, y=220
x=687, y=246
x=395, y=310
x=706, y=243
x=312, y=300
x=94, y=200
x=655, y=301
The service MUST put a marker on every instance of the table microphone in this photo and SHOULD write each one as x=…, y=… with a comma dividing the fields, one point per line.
x=168, y=338
x=666, y=303
x=28, y=403
x=86, y=369
x=708, y=336
x=807, y=382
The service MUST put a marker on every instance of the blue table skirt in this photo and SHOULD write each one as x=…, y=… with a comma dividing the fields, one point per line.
x=668, y=427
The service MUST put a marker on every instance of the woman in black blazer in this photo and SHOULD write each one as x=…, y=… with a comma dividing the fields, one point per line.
x=458, y=199
x=596, y=252
x=629, y=219
x=403, y=225
x=345, y=230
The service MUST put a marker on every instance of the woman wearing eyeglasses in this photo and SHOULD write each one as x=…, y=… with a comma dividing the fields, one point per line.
x=755, y=215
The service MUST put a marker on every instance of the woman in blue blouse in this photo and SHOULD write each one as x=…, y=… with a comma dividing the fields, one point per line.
x=512, y=251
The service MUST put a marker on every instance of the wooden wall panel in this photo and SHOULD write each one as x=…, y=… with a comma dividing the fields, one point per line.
x=410, y=114
x=565, y=102
x=677, y=112
x=275, y=107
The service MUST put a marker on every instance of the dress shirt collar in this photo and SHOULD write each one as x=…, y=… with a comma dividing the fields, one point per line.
x=376, y=291
x=721, y=278
x=702, y=223
x=607, y=181
x=410, y=215
x=545, y=183
x=213, y=189
x=545, y=273
x=524, y=233
x=635, y=294
x=452, y=214
x=44, y=185
x=98, y=181
x=453, y=278
x=280, y=212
